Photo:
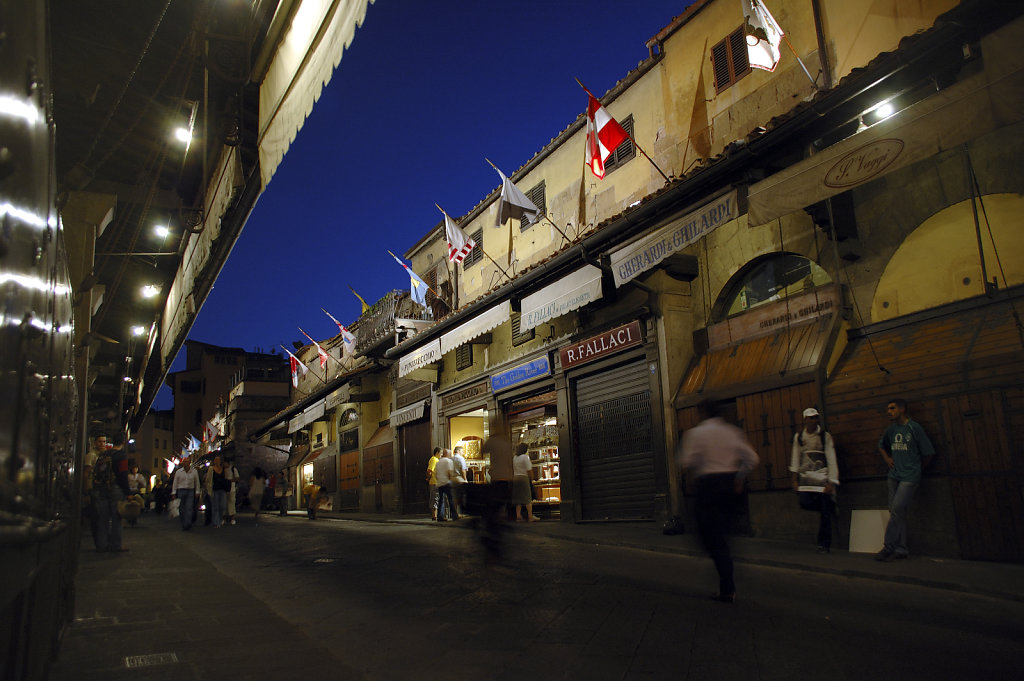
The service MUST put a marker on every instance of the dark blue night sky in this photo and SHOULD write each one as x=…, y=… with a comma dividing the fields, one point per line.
x=427, y=89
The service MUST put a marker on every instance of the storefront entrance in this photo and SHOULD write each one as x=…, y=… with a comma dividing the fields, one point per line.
x=533, y=421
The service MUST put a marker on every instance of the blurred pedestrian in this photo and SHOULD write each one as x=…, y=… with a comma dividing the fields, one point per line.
x=231, y=475
x=904, y=447
x=815, y=474
x=257, y=483
x=719, y=457
x=282, y=490
x=185, y=489
x=522, y=483
x=218, y=487
x=108, y=490
x=432, y=482
x=315, y=495
x=443, y=472
x=460, y=472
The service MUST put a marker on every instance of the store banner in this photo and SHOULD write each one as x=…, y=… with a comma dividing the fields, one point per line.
x=521, y=374
x=478, y=326
x=306, y=417
x=470, y=392
x=646, y=253
x=400, y=417
x=602, y=345
x=339, y=396
x=420, y=357
x=567, y=294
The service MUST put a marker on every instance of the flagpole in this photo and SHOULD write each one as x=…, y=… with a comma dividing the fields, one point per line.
x=800, y=61
x=451, y=277
x=300, y=362
x=633, y=139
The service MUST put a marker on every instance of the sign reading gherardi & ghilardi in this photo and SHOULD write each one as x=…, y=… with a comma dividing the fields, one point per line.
x=602, y=345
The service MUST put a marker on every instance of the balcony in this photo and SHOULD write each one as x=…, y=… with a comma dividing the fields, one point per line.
x=389, y=321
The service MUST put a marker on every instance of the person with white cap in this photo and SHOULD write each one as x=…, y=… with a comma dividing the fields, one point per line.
x=815, y=474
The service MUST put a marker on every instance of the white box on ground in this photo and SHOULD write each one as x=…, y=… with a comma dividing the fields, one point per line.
x=867, y=530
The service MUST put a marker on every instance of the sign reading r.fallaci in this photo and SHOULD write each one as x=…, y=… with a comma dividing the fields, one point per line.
x=644, y=254
x=596, y=347
x=521, y=374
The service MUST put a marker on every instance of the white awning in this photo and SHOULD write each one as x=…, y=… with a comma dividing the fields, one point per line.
x=479, y=325
x=319, y=33
x=306, y=417
x=413, y=412
x=339, y=396
x=420, y=357
x=565, y=295
x=961, y=112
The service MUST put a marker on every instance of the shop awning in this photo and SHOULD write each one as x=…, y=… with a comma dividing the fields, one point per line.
x=420, y=357
x=787, y=356
x=959, y=113
x=311, y=414
x=477, y=326
x=413, y=412
x=297, y=456
x=319, y=33
x=565, y=295
x=381, y=436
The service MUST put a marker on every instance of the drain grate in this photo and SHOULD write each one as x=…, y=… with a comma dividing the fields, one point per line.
x=135, y=661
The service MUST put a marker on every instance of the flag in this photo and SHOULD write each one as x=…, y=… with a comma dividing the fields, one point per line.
x=193, y=443
x=346, y=336
x=210, y=432
x=417, y=287
x=763, y=35
x=604, y=135
x=459, y=245
x=319, y=350
x=365, y=306
x=514, y=204
x=296, y=366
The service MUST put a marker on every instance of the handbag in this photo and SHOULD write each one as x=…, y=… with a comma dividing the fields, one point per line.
x=173, y=508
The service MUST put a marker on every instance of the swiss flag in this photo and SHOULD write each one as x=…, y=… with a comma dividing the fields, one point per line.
x=604, y=135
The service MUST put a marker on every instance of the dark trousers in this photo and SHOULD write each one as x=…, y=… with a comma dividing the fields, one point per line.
x=821, y=502
x=715, y=508
x=445, y=502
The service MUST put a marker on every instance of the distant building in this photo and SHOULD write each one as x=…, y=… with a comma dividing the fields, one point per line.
x=154, y=443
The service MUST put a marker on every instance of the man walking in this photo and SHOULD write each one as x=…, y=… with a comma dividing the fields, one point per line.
x=719, y=457
x=904, y=447
x=185, y=488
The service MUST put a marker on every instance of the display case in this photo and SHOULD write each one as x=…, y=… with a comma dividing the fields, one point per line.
x=547, y=483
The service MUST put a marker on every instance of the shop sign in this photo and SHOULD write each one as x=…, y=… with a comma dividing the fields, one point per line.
x=420, y=357
x=645, y=254
x=521, y=374
x=773, y=317
x=468, y=393
x=400, y=417
x=305, y=418
x=339, y=396
x=596, y=347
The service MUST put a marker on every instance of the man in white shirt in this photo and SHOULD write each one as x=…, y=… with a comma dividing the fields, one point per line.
x=186, y=488
x=458, y=479
x=444, y=471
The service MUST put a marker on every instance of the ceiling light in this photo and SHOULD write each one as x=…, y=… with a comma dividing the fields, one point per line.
x=884, y=110
x=150, y=290
x=162, y=231
x=138, y=330
x=183, y=135
x=127, y=379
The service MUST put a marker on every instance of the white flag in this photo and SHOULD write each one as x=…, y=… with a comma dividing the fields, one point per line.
x=763, y=35
x=459, y=245
x=513, y=203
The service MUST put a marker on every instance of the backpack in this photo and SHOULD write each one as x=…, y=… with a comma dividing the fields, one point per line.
x=103, y=472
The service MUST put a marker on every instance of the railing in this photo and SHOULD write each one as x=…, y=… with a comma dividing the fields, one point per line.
x=377, y=324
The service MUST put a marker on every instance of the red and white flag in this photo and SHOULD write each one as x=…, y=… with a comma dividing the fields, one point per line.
x=459, y=244
x=319, y=350
x=604, y=135
x=346, y=336
x=297, y=367
x=210, y=432
x=763, y=35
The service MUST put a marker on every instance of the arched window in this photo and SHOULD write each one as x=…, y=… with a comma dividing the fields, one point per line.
x=766, y=279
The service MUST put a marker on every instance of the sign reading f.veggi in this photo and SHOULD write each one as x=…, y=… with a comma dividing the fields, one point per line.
x=644, y=254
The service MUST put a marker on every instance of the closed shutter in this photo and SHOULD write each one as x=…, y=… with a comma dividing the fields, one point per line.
x=616, y=445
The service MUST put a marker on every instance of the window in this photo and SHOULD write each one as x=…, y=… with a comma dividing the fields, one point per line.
x=519, y=337
x=349, y=440
x=536, y=195
x=477, y=253
x=624, y=151
x=772, y=277
x=464, y=356
x=729, y=60
x=156, y=443
x=190, y=386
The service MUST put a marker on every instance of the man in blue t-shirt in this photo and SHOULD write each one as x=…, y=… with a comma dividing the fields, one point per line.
x=904, y=446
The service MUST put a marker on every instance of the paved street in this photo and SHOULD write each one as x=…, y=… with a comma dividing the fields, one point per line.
x=343, y=599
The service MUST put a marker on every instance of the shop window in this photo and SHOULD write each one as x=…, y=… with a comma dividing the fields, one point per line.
x=518, y=336
x=770, y=278
x=537, y=196
x=348, y=440
x=624, y=151
x=477, y=253
x=729, y=60
x=464, y=356
x=533, y=421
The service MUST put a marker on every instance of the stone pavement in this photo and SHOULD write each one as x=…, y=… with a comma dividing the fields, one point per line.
x=136, y=610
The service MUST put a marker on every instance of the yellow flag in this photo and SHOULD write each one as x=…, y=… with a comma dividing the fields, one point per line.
x=365, y=306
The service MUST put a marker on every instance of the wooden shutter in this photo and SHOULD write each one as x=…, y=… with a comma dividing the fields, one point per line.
x=729, y=60
x=464, y=356
x=624, y=151
x=519, y=337
x=537, y=196
x=478, y=251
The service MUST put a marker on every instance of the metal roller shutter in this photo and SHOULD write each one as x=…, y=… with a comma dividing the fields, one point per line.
x=616, y=452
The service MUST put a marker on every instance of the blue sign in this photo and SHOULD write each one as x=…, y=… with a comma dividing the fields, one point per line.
x=521, y=374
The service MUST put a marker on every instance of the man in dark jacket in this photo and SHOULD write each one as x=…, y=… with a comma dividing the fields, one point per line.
x=109, y=486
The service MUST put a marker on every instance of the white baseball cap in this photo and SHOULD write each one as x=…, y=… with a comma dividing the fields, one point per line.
x=810, y=411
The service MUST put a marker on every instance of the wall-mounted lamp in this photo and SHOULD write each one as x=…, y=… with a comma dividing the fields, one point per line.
x=162, y=231
x=149, y=291
x=138, y=330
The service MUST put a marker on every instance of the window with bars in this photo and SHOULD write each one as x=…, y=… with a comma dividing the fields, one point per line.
x=729, y=60
x=537, y=196
x=478, y=251
x=464, y=356
x=624, y=151
x=518, y=336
